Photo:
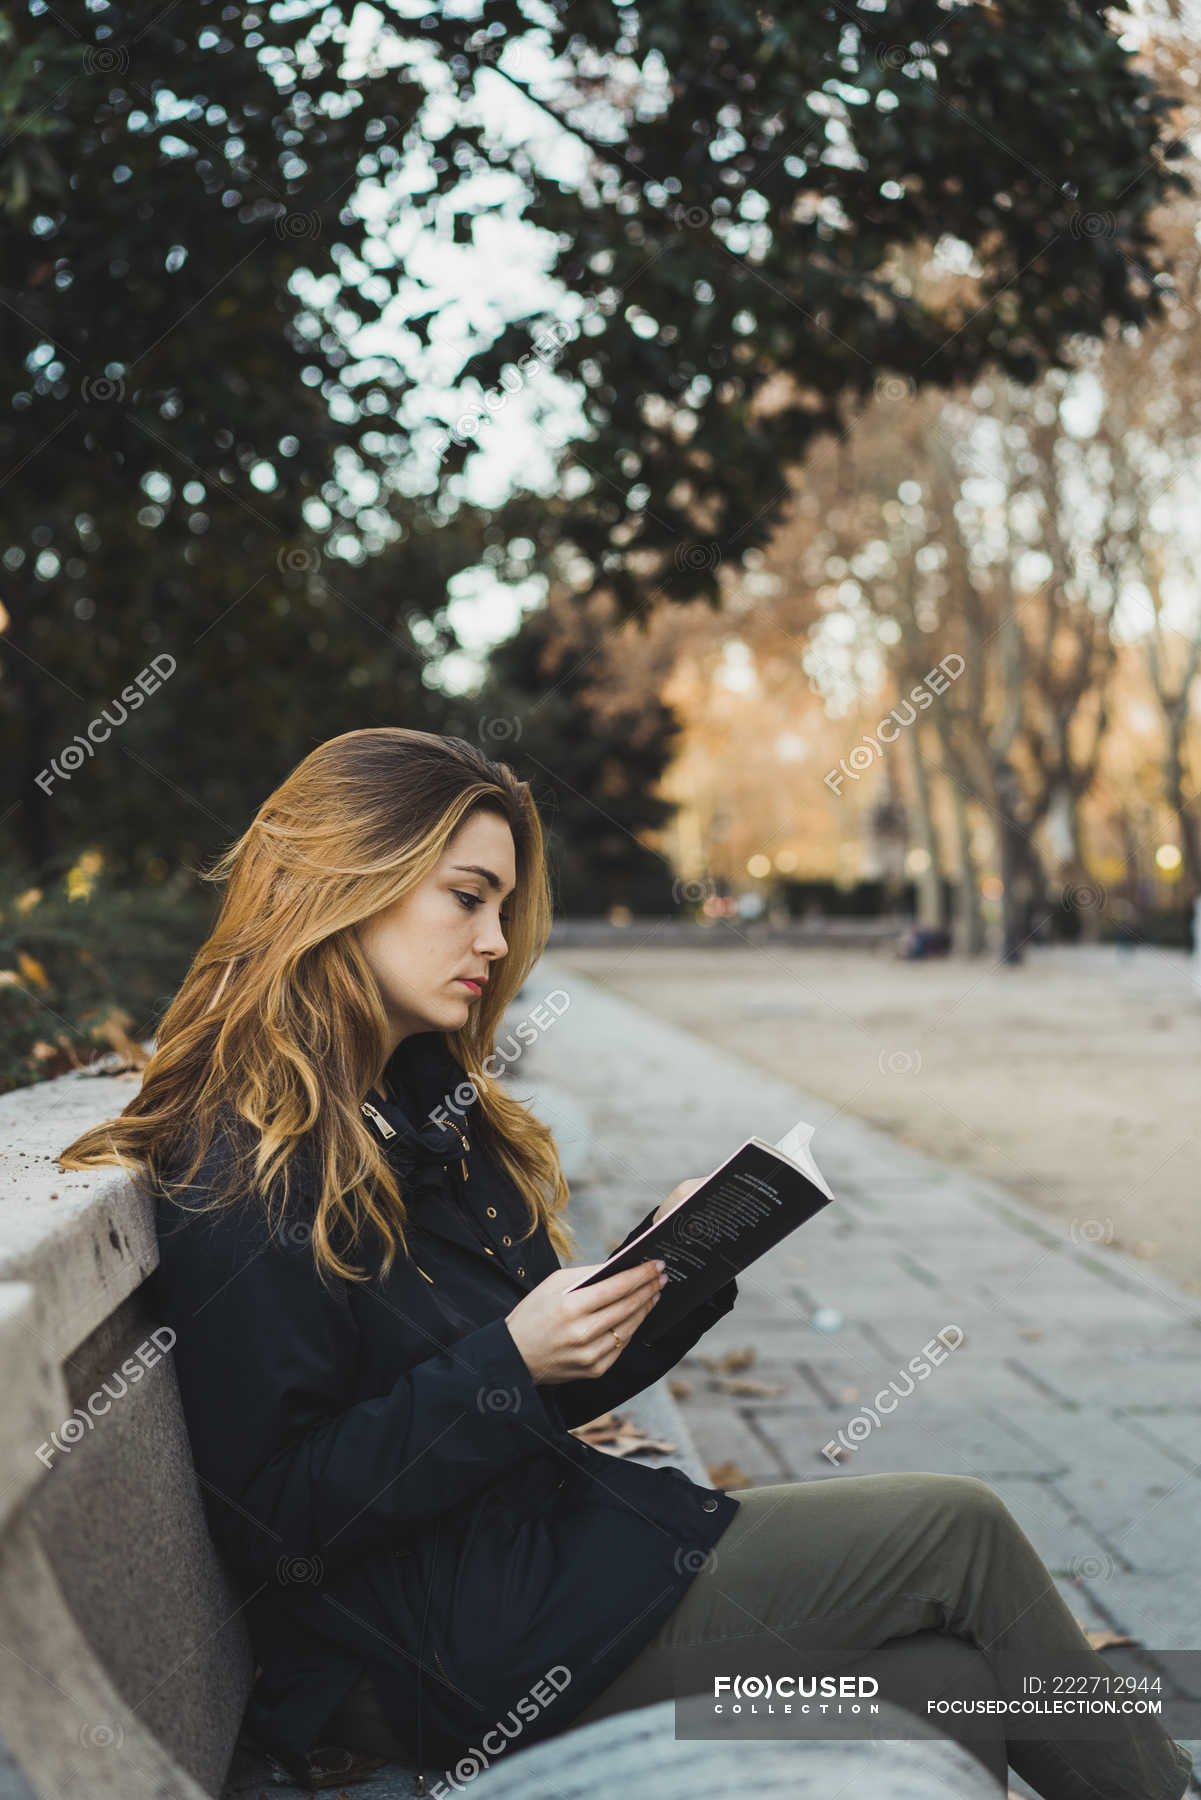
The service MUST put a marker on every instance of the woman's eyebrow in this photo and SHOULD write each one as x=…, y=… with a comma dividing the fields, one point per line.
x=475, y=869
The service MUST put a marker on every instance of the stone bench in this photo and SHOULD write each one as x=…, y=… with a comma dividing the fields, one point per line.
x=134, y=1665
x=640, y=1752
x=128, y=1666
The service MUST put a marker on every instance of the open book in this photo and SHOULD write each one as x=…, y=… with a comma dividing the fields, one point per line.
x=752, y=1200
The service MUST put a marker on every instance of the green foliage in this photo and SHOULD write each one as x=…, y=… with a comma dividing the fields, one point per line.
x=197, y=465
x=592, y=753
x=746, y=241
x=81, y=976
x=179, y=436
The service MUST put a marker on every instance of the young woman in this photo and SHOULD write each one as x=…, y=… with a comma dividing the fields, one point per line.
x=380, y=1366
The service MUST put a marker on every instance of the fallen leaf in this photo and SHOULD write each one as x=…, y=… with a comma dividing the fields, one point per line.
x=55, y=1059
x=847, y=1396
x=618, y=1435
x=731, y=1384
x=1031, y=1331
x=679, y=1390
x=32, y=969
x=600, y=1422
x=1102, y=1640
x=113, y=1029
x=732, y=1359
x=727, y=1475
x=629, y=1447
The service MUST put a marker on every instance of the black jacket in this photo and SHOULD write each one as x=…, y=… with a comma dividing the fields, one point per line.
x=391, y=1489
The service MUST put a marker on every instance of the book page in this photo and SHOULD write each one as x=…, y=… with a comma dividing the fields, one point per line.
x=795, y=1146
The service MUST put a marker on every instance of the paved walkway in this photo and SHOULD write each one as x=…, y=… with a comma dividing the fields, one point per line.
x=1074, y=1392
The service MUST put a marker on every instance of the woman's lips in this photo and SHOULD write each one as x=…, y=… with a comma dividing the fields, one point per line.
x=475, y=986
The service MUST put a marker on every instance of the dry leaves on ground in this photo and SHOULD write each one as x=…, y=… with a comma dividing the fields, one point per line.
x=727, y=1363
x=1104, y=1639
x=728, y=1475
x=751, y=1390
x=619, y=1435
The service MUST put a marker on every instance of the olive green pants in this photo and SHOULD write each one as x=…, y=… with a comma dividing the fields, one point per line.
x=832, y=1570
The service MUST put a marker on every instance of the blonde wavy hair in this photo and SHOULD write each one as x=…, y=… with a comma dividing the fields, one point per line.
x=278, y=1029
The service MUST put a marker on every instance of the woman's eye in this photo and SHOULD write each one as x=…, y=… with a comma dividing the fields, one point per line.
x=474, y=900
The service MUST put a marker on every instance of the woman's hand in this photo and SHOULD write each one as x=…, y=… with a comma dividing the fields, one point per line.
x=678, y=1194
x=566, y=1337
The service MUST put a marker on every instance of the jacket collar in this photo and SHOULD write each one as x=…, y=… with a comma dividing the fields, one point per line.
x=424, y=1075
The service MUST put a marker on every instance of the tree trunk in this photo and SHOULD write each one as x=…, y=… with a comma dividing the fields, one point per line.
x=1173, y=785
x=1013, y=848
x=931, y=906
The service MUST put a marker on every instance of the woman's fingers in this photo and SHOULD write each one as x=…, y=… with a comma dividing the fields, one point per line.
x=626, y=1313
x=616, y=1287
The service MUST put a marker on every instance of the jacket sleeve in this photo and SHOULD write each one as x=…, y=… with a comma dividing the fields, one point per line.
x=265, y=1355
x=639, y=1364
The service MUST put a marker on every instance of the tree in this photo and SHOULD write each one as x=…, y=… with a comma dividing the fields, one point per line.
x=739, y=241
x=207, y=458
x=176, y=452
x=573, y=705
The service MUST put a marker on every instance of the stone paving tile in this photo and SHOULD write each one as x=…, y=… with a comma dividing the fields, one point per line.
x=788, y=1335
x=1138, y=1498
x=921, y=1434
x=902, y=1335
x=1173, y=1429
x=724, y=1436
x=967, y=1377
x=1148, y=1386
x=787, y=1372
x=1156, y=1609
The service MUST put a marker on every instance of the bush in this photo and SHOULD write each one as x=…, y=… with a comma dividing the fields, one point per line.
x=89, y=969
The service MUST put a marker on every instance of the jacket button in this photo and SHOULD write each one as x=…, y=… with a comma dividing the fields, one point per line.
x=521, y=1271
x=491, y=1212
x=490, y=1250
x=506, y=1240
x=709, y=1505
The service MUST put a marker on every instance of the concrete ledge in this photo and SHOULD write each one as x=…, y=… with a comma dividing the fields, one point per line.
x=80, y=1238
x=639, y=1750
x=133, y=1667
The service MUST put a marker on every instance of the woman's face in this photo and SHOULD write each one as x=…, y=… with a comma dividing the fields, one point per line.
x=449, y=927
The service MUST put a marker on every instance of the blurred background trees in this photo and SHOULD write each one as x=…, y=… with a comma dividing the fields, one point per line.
x=654, y=395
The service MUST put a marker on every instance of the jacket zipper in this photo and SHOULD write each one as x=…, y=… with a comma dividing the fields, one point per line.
x=466, y=1146
x=389, y=1131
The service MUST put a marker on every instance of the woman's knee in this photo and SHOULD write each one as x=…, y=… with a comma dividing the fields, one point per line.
x=965, y=1497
